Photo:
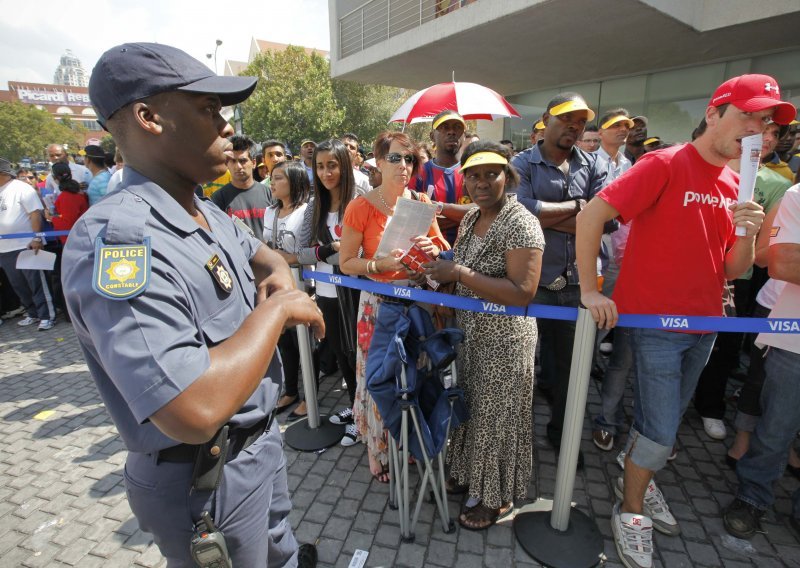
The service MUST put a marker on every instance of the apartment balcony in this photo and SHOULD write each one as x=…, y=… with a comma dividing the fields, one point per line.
x=517, y=46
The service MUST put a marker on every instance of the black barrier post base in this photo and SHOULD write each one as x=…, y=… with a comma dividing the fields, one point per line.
x=302, y=437
x=580, y=546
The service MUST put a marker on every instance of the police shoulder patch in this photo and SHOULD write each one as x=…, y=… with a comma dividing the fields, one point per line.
x=121, y=271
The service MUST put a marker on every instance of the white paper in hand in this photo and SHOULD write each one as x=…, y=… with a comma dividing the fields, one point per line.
x=751, y=154
x=28, y=260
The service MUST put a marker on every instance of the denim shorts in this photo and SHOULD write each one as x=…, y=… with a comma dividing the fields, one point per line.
x=667, y=368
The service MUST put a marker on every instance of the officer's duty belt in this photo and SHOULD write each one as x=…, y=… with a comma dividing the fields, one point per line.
x=238, y=439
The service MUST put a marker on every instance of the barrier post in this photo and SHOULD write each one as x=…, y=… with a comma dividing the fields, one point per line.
x=566, y=536
x=314, y=432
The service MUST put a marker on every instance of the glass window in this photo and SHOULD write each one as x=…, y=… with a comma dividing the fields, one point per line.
x=629, y=93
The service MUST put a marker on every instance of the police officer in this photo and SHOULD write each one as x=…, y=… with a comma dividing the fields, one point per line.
x=178, y=313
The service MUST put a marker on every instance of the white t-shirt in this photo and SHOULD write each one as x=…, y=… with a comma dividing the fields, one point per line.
x=769, y=293
x=113, y=183
x=362, y=182
x=17, y=201
x=786, y=230
x=288, y=229
x=323, y=288
x=80, y=173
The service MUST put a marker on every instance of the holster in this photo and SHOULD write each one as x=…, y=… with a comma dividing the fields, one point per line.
x=210, y=460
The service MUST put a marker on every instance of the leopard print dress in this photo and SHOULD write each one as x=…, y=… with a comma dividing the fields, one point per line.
x=492, y=452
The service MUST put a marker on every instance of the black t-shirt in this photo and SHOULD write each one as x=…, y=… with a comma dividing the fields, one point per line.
x=246, y=204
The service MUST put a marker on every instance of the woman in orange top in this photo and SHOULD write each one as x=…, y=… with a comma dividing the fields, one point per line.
x=365, y=220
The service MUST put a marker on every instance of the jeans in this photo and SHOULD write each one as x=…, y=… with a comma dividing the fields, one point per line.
x=709, y=398
x=619, y=367
x=556, y=338
x=31, y=286
x=766, y=459
x=668, y=366
x=748, y=408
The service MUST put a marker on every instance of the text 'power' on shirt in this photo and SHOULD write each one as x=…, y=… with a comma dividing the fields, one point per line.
x=674, y=262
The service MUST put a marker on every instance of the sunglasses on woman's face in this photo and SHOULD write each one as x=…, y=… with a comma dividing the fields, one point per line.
x=396, y=158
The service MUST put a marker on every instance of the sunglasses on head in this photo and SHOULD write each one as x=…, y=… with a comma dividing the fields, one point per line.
x=396, y=158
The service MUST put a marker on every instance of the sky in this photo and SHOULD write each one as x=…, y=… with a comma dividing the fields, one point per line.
x=31, y=47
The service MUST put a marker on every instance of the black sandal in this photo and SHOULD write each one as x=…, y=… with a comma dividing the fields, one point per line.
x=480, y=517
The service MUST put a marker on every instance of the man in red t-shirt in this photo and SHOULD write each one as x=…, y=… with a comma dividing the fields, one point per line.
x=681, y=250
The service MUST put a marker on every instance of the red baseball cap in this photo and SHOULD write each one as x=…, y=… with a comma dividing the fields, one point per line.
x=753, y=93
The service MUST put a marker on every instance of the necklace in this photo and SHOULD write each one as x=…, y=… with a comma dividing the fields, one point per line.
x=380, y=196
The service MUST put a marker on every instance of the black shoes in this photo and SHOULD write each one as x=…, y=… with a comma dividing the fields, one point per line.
x=306, y=556
x=742, y=519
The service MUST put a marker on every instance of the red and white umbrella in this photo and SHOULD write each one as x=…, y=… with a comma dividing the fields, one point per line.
x=470, y=100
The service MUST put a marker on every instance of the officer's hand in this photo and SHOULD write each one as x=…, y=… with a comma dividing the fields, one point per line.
x=299, y=309
x=603, y=309
x=749, y=215
x=275, y=282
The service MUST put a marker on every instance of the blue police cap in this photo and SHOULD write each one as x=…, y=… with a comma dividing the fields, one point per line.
x=133, y=71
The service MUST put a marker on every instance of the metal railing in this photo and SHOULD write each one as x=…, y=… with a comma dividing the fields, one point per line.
x=378, y=20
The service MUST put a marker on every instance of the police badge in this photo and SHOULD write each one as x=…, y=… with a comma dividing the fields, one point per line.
x=220, y=274
x=121, y=271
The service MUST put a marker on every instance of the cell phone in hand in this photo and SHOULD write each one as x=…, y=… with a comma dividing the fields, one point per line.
x=413, y=260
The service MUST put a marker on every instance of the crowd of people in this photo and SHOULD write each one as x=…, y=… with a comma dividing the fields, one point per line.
x=595, y=213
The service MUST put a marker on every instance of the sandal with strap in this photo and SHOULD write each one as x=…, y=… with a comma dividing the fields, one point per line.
x=480, y=517
x=383, y=476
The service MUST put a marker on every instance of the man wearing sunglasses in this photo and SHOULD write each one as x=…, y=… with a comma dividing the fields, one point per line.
x=556, y=181
x=26, y=175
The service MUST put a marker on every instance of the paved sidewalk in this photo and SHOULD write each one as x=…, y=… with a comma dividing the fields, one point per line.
x=62, y=499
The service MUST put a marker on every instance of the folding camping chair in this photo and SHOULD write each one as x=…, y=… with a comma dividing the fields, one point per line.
x=411, y=375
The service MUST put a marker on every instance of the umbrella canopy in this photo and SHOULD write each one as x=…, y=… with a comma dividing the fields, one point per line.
x=470, y=100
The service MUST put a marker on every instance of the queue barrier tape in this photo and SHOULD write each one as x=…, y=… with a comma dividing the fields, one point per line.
x=648, y=321
x=655, y=321
x=31, y=235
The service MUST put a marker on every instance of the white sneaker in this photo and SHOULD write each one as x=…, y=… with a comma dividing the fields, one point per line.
x=350, y=437
x=44, y=325
x=344, y=416
x=655, y=507
x=633, y=536
x=715, y=428
x=25, y=322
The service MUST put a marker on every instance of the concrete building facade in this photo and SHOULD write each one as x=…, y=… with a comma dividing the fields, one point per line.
x=660, y=58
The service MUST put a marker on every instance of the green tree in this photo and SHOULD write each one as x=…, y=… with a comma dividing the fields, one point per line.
x=28, y=130
x=294, y=98
x=367, y=107
x=297, y=99
x=108, y=144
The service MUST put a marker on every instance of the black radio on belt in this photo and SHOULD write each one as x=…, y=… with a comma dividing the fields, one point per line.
x=208, y=545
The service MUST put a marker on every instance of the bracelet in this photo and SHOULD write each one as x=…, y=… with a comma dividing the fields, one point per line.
x=439, y=207
x=372, y=267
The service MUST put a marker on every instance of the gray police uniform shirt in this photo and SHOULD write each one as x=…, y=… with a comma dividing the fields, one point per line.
x=144, y=351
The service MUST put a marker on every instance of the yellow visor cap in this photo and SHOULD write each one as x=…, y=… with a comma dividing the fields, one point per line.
x=572, y=106
x=615, y=119
x=481, y=158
